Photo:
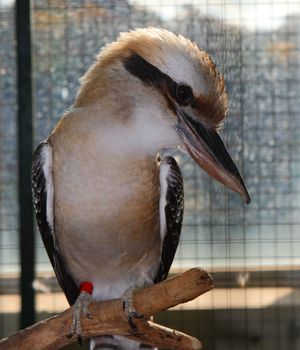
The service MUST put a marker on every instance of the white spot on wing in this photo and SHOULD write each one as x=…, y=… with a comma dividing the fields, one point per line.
x=163, y=173
x=48, y=173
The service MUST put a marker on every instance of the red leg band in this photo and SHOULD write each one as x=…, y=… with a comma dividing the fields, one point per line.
x=87, y=287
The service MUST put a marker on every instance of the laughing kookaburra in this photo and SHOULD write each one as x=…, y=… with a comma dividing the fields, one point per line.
x=109, y=206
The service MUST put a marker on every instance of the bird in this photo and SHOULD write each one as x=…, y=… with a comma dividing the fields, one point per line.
x=107, y=192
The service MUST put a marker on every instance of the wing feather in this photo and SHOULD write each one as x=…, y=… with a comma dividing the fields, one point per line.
x=171, y=212
x=43, y=201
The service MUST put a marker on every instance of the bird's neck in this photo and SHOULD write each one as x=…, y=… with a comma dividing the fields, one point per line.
x=131, y=131
x=148, y=132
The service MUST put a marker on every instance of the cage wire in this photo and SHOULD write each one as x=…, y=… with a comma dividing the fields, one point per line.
x=252, y=251
x=9, y=256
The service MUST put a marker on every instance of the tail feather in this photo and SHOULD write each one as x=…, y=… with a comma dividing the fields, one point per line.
x=104, y=343
x=113, y=343
x=109, y=342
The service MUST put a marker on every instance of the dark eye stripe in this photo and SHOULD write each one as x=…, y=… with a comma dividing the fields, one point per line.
x=150, y=75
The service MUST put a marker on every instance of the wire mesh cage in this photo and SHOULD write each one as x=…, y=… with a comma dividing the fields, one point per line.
x=252, y=251
x=9, y=257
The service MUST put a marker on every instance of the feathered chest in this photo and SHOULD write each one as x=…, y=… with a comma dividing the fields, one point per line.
x=105, y=207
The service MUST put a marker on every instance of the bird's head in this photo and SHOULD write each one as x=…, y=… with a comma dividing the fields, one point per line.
x=178, y=84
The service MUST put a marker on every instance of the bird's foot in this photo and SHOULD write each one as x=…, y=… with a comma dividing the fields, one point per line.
x=80, y=309
x=129, y=309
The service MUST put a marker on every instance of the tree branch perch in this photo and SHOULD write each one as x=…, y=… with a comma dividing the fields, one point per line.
x=109, y=318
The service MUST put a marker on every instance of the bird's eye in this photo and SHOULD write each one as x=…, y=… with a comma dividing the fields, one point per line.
x=184, y=94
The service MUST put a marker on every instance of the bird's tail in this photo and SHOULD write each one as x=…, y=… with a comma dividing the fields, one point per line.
x=110, y=342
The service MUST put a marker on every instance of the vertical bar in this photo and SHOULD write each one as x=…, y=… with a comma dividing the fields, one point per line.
x=25, y=144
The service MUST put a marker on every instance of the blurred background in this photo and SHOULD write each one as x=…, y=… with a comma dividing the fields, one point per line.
x=253, y=252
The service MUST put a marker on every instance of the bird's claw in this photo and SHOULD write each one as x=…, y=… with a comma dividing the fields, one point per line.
x=80, y=309
x=129, y=309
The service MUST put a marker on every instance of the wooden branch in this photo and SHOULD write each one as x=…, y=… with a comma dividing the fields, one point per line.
x=109, y=318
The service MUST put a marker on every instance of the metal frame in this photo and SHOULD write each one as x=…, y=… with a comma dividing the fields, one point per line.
x=25, y=145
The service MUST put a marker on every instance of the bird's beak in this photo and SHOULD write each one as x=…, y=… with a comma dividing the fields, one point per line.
x=208, y=150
